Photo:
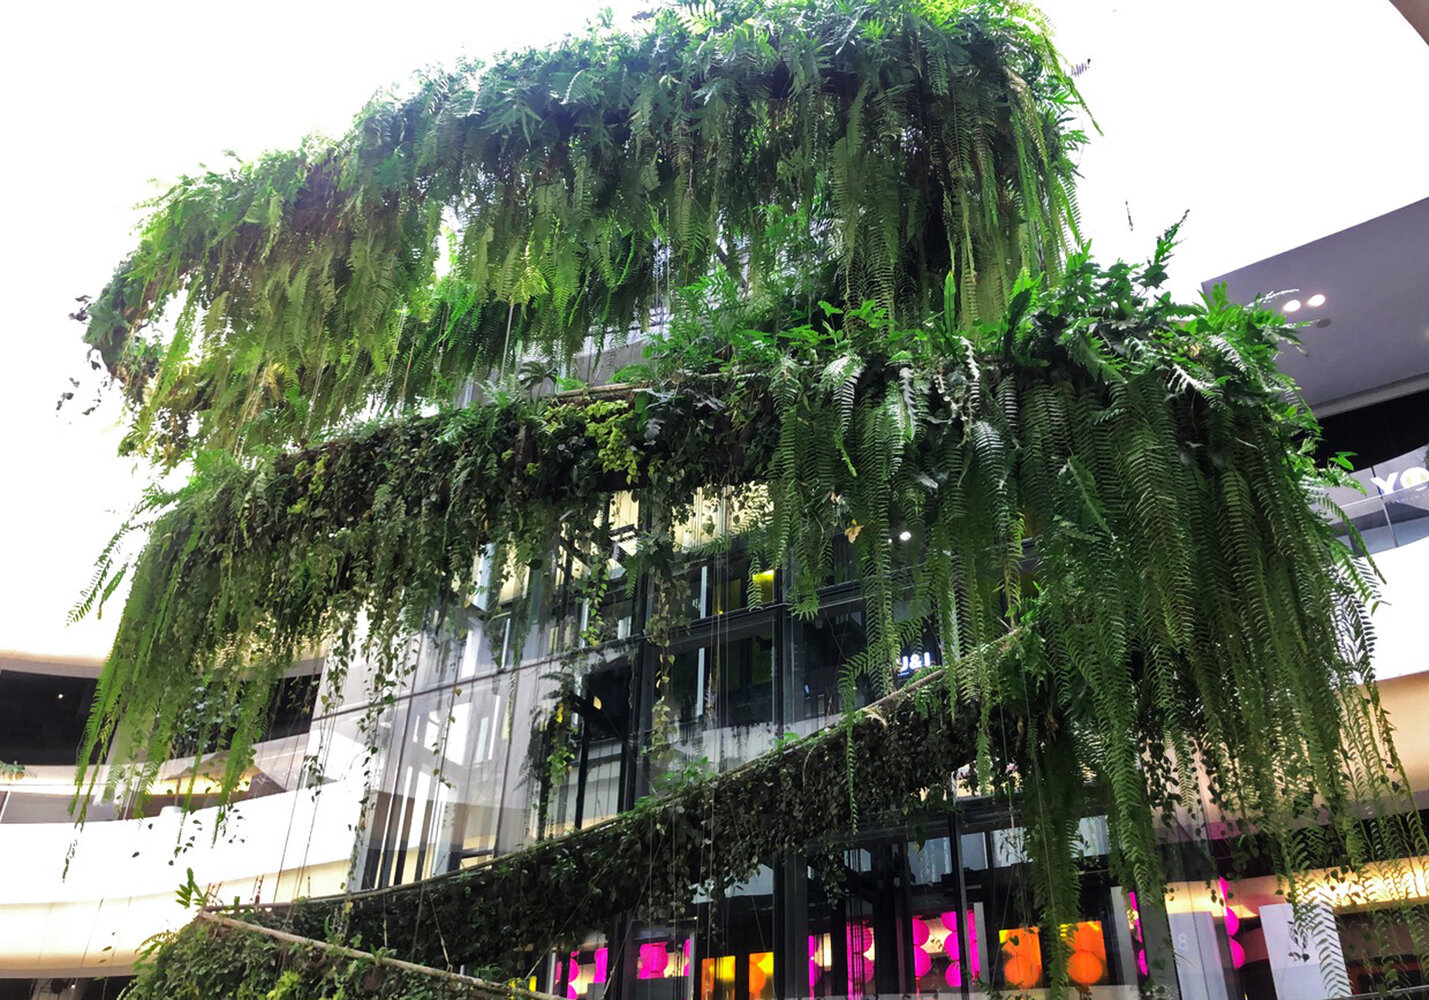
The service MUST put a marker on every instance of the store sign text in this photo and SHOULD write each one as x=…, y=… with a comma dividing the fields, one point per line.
x=1415, y=475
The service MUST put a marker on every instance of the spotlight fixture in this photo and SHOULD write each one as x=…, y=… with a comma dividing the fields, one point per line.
x=904, y=535
x=1292, y=306
x=1315, y=301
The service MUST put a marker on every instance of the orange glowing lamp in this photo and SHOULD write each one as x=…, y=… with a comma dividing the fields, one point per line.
x=1021, y=957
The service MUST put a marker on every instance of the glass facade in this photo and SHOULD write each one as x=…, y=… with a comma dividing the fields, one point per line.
x=464, y=770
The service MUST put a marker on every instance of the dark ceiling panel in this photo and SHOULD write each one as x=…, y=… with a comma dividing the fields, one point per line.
x=1416, y=12
x=1379, y=432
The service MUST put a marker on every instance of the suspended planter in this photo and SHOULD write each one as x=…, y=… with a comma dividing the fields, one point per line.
x=852, y=231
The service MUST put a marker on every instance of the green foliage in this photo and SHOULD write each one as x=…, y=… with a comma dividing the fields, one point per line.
x=851, y=224
x=1121, y=560
x=191, y=895
x=801, y=149
x=205, y=961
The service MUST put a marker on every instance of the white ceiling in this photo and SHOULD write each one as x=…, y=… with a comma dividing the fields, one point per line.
x=1273, y=122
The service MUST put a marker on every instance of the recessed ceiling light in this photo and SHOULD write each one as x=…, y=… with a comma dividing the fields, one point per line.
x=1315, y=301
x=903, y=536
x=1292, y=306
x=59, y=696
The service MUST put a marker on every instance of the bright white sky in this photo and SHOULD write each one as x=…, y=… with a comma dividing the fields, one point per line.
x=1274, y=121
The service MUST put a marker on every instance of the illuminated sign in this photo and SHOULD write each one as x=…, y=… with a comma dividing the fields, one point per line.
x=1415, y=475
x=911, y=663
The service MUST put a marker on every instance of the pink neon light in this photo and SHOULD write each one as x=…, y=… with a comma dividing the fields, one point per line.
x=653, y=961
x=573, y=970
x=954, y=975
x=972, y=946
x=1136, y=933
x=860, y=938
x=860, y=967
x=814, y=970
x=1232, y=922
x=922, y=963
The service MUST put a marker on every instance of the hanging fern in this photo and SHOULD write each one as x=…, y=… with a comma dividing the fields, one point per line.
x=852, y=227
x=1115, y=498
x=800, y=147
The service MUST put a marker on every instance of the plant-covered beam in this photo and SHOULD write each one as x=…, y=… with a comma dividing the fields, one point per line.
x=709, y=834
x=802, y=149
x=216, y=956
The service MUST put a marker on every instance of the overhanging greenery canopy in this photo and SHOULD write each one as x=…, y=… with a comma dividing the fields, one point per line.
x=807, y=149
x=839, y=214
x=1186, y=606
